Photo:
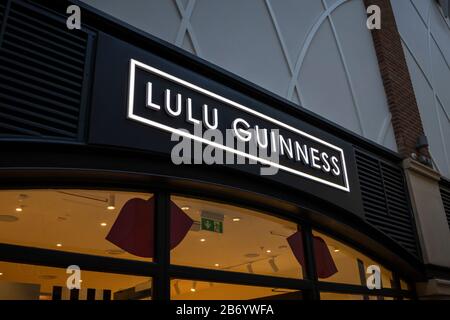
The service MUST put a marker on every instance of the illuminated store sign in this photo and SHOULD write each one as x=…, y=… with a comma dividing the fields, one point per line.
x=161, y=100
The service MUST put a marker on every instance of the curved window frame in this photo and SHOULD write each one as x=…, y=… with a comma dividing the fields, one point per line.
x=162, y=271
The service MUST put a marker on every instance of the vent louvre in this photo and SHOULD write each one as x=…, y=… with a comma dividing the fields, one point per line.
x=445, y=194
x=385, y=200
x=2, y=9
x=42, y=66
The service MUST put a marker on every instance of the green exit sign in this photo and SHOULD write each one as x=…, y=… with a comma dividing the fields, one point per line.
x=212, y=225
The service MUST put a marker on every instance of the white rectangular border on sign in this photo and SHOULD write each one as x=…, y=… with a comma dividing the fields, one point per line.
x=131, y=115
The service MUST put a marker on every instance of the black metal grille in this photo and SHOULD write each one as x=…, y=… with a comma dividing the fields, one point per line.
x=41, y=75
x=445, y=194
x=385, y=200
x=2, y=9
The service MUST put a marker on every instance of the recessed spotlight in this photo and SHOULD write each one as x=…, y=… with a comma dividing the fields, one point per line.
x=336, y=250
x=59, y=245
x=193, y=290
x=202, y=240
x=81, y=280
x=111, y=202
x=216, y=265
x=268, y=251
x=1, y=273
x=19, y=209
x=236, y=219
x=103, y=224
x=185, y=208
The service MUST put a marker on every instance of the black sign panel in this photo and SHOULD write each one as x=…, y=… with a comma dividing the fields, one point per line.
x=143, y=101
x=161, y=100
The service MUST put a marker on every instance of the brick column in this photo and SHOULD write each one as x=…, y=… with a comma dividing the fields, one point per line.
x=422, y=181
x=402, y=102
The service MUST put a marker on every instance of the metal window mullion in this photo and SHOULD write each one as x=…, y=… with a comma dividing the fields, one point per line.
x=237, y=278
x=310, y=263
x=161, y=282
x=19, y=254
x=396, y=284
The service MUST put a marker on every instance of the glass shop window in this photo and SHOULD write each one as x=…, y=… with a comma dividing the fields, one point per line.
x=30, y=282
x=337, y=262
x=199, y=290
x=405, y=285
x=228, y=238
x=102, y=223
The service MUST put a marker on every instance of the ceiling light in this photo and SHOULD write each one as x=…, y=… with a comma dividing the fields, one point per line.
x=103, y=224
x=268, y=251
x=194, y=286
x=185, y=208
x=236, y=219
x=336, y=250
x=216, y=265
x=59, y=245
x=111, y=202
x=1, y=273
x=22, y=198
x=202, y=240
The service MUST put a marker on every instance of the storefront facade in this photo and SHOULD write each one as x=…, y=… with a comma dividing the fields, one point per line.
x=121, y=156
